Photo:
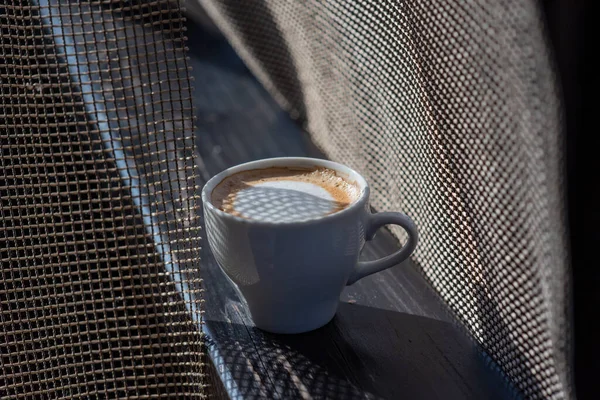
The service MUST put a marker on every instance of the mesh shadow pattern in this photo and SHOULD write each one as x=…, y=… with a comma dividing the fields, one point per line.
x=451, y=111
x=100, y=294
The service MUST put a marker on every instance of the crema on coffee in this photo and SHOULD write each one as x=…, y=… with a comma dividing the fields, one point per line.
x=283, y=194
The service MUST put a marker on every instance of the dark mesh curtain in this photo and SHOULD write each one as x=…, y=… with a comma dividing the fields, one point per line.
x=451, y=111
x=99, y=288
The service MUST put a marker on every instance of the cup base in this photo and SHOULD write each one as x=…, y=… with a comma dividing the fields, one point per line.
x=289, y=325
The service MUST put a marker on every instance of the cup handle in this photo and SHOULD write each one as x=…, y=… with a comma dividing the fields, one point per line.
x=374, y=222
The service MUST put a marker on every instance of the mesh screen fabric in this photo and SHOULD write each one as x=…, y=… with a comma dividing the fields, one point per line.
x=99, y=240
x=450, y=110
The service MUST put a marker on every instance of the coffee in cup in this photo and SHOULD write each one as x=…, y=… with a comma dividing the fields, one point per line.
x=284, y=194
x=288, y=233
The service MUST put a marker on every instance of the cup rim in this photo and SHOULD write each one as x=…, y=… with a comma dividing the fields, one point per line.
x=346, y=171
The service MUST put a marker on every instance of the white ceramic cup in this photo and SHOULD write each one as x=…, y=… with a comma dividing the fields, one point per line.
x=291, y=274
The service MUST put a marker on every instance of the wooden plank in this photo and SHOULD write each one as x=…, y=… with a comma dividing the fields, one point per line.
x=391, y=338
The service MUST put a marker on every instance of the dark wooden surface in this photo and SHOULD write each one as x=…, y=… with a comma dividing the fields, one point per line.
x=391, y=338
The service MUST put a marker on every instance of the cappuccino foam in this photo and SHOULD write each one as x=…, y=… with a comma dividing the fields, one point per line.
x=283, y=194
